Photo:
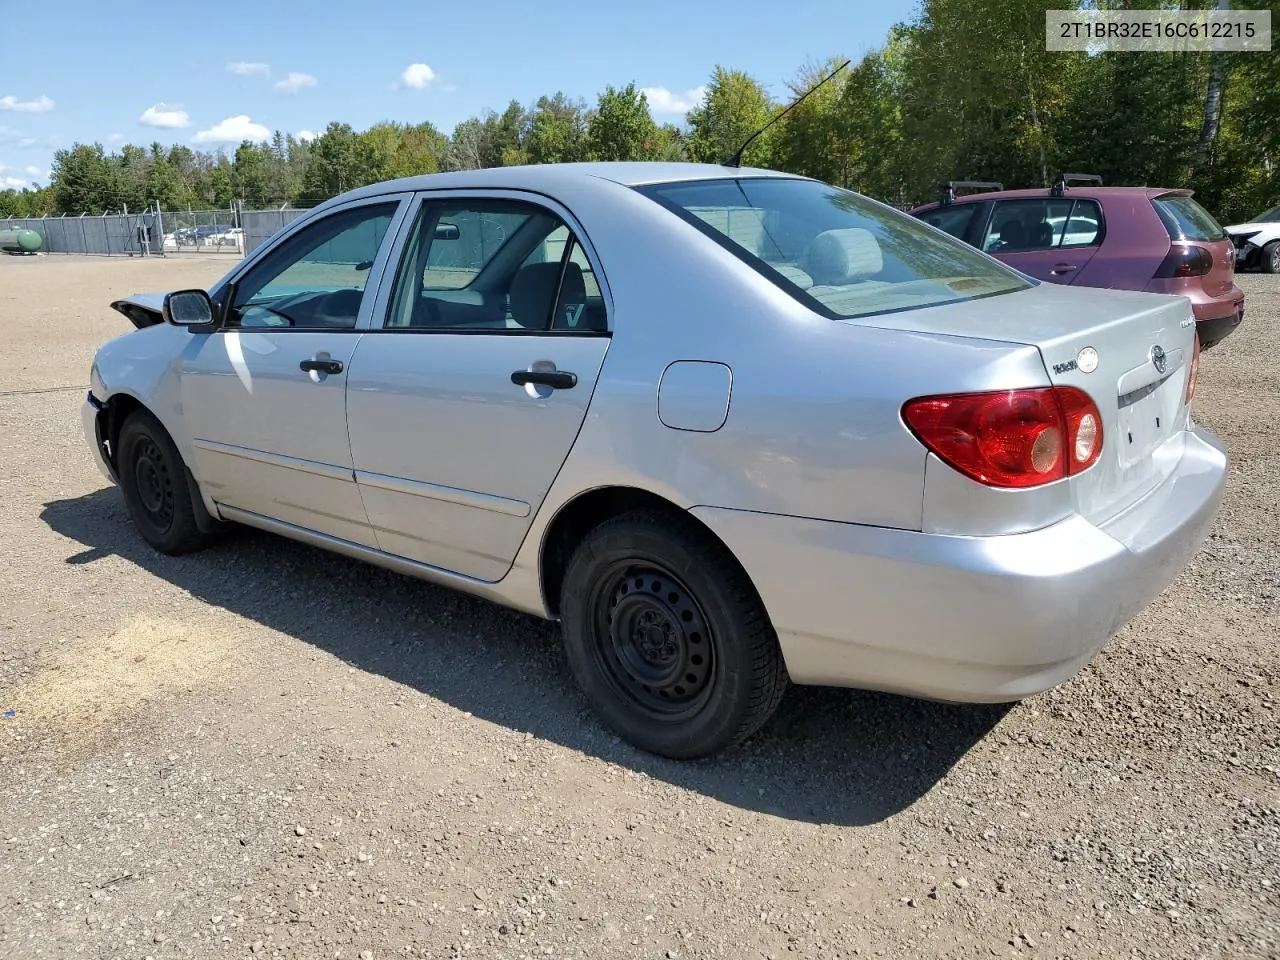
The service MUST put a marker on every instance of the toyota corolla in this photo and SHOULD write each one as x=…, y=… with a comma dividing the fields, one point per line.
x=734, y=429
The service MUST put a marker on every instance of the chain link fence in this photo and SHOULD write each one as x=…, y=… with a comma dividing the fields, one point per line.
x=157, y=232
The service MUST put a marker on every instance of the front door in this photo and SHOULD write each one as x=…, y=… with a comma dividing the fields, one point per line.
x=466, y=396
x=266, y=394
x=1050, y=239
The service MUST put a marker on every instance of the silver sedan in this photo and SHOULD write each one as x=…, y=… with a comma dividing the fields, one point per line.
x=732, y=428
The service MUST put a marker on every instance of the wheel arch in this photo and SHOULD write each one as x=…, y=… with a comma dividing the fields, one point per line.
x=116, y=409
x=579, y=516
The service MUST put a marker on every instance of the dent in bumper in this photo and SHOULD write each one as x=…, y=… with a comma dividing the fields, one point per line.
x=979, y=619
x=91, y=423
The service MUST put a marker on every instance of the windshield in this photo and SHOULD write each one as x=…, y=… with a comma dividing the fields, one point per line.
x=1187, y=220
x=1268, y=216
x=836, y=251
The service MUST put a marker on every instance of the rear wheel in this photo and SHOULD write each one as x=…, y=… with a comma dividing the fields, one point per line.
x=667, y=637
x=1271, y=257
x=153, y=477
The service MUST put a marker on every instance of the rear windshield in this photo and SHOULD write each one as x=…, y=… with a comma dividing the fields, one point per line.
x=1187, y=220
x=836, y=251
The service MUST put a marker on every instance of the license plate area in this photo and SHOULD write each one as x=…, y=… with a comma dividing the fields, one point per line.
x=1147, y=417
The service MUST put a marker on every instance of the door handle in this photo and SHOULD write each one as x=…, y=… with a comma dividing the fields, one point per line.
x=320, y=366
x=1063, y=268
x=555, y=379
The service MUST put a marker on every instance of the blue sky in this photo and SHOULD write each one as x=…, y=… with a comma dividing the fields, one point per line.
x=210, y=72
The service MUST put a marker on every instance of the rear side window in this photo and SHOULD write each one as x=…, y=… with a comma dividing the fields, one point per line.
x=839, y=253
x=954, y=220
x=1023, y=225
x=1187, y=220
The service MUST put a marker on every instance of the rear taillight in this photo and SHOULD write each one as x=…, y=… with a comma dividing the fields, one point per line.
x=1010, y=438
x=1193, y=370
x=1185, y=260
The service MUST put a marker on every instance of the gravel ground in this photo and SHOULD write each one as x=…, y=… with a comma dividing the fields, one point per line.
x=264, y=750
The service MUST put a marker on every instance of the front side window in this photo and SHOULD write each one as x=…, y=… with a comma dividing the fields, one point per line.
x=1185, y=219
x=835, y=251
x=316, y=279
x=494, y=264
x=954, y=220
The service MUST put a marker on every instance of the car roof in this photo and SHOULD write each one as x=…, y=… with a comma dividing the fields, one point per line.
x=1041, y=193
x=548, y=175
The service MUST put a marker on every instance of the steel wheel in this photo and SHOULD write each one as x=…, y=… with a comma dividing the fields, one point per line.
x=652, y=641
x=153, y=482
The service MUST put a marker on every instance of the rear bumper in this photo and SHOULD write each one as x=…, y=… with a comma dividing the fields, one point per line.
x=1215, y=329
x=968, y=618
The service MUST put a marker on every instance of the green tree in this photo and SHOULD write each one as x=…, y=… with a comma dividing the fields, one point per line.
x=557, y=131
x=736, y=106
x=84, y=180
x=621, y=128
x=339, y=161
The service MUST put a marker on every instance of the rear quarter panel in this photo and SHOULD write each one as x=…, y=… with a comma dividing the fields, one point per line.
x=1133, y=247
x=814, y=426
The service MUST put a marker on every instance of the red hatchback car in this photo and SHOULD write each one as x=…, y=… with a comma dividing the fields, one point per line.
x=1125, y=238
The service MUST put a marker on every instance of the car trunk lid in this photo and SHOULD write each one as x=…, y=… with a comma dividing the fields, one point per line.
x=1129, y=351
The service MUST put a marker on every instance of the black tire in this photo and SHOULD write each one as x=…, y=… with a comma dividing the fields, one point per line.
x=1271, y=257
x=157, y=489
x=667, y=637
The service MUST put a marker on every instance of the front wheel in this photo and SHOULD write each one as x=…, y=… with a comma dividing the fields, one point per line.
x=668, y=638
x=154, y=481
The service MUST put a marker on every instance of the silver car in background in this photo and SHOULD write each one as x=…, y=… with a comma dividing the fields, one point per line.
x=732, y=428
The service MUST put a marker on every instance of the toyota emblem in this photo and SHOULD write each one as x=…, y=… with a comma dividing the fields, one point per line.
x=1158, y=358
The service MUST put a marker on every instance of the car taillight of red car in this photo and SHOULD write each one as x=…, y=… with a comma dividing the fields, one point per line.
x=1185, y=260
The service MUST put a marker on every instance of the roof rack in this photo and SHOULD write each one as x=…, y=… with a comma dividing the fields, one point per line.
x=948, y=192
x=1060, y=183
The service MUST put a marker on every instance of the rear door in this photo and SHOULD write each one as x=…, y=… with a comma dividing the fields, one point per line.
x=1050, y=238
x=466, y=396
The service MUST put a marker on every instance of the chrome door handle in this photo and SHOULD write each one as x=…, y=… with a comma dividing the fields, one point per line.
x=1063, y=268
x=320, y=366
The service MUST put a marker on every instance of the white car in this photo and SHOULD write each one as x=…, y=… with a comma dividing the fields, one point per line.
x=1258, y=241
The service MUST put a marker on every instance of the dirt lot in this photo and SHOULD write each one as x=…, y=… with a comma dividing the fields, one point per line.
x=263, y=749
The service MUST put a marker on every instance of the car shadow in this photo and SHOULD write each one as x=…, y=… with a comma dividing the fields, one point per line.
x=828, y=756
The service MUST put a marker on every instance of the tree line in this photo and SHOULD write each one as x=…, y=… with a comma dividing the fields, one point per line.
x=963, y=90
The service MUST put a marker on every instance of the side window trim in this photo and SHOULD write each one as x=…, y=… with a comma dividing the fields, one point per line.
x=408, y=218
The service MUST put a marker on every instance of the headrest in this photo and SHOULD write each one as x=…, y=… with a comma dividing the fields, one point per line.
x=843, y=256
x=534, y=289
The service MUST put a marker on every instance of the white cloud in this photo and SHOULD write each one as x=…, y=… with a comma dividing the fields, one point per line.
x=166, y=116
x=306, y=135
x=418, y=76
x=34, y=171
x=40, y=104
x=295, y=82
x=663, y=101
x=115, y=138
x=234, y=130
x=13, y=183
x=249, y=69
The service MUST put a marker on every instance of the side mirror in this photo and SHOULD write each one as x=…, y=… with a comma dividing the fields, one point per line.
x=188, y=308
